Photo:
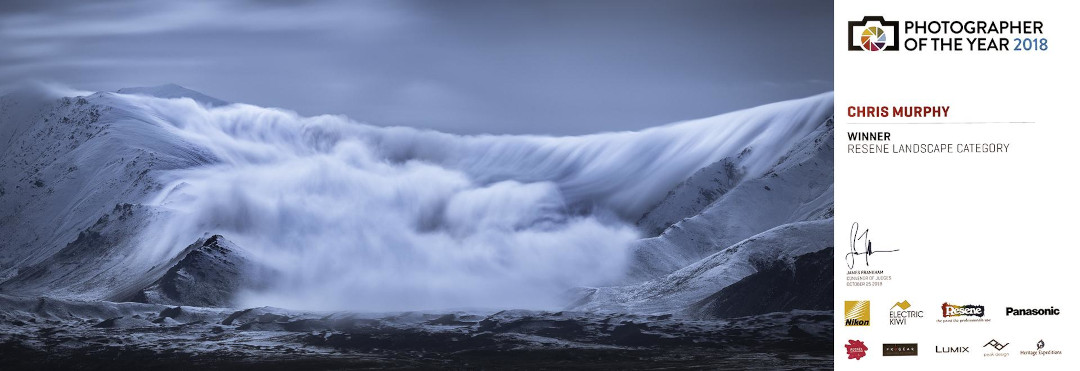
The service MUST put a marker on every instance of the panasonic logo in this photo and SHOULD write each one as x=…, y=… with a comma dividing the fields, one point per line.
x=1010, y=311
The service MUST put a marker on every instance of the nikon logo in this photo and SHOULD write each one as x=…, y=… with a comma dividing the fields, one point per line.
x=857, y=313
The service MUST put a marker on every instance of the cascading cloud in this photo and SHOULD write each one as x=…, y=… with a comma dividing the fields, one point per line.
x=359, y=217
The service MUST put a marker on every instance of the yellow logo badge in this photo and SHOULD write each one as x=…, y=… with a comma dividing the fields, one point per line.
x=857, y=313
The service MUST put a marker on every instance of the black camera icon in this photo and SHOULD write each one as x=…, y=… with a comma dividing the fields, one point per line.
x=873, y=33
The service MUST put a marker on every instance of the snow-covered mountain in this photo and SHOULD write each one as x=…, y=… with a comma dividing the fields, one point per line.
x=120, y=196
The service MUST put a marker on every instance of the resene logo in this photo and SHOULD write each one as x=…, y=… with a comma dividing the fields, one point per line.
x=873, y=33
x=857, y=313
x=949, y=310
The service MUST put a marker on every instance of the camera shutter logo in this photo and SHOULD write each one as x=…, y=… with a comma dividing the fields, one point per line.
x=873, y=34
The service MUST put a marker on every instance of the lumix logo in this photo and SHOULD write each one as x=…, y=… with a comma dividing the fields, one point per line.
x=938, y=349
x=1010, y=311
x=949, y=310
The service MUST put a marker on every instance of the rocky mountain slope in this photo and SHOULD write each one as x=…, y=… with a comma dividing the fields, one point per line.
x=161, y=227
x=103, y=195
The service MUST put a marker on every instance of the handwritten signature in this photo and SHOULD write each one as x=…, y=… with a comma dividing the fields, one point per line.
x=863, y=238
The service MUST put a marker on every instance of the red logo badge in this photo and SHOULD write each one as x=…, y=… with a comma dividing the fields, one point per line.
x=855, y=349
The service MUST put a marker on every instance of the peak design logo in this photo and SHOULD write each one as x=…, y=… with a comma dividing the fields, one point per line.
x=873, y=33
x=857, y=313
x=997, y=345
x=856, y=349
x=949, y=310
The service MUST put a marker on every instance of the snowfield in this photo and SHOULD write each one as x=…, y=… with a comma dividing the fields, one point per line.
x=117, y=207
x=103, y=193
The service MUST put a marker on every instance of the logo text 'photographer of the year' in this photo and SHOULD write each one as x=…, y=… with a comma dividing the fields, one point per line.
x=875, y=34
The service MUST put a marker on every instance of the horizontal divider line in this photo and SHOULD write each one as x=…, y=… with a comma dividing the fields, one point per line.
x=942, y=123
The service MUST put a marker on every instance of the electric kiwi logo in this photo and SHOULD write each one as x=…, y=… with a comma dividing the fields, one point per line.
x=900, y=317
x=857, y=313
x=948, y=310
x=873, y=34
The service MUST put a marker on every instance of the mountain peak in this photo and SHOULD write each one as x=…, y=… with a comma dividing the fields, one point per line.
x=173, y=91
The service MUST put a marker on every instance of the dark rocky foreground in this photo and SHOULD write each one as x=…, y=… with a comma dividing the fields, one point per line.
x=806, y=283
x=42, y=333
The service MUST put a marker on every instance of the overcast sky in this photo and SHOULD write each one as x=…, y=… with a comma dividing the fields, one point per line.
x=543, y=67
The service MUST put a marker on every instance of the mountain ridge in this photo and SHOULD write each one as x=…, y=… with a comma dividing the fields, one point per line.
x=82, y=157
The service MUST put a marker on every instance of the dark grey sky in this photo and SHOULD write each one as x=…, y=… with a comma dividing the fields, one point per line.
x=545, y=67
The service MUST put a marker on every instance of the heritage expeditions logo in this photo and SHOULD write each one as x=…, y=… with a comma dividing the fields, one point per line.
x=1010, y=311
x=900, y=317
x=857, y=313
x=856, y=349
x=890, y=350
x=873, y=33
x=949, y=310
x=1039, y=350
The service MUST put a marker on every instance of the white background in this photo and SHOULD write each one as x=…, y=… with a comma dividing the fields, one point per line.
x=988, y=229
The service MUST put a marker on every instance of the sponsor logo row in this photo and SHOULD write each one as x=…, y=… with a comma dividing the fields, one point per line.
x=857, y=313
x=857, y=349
